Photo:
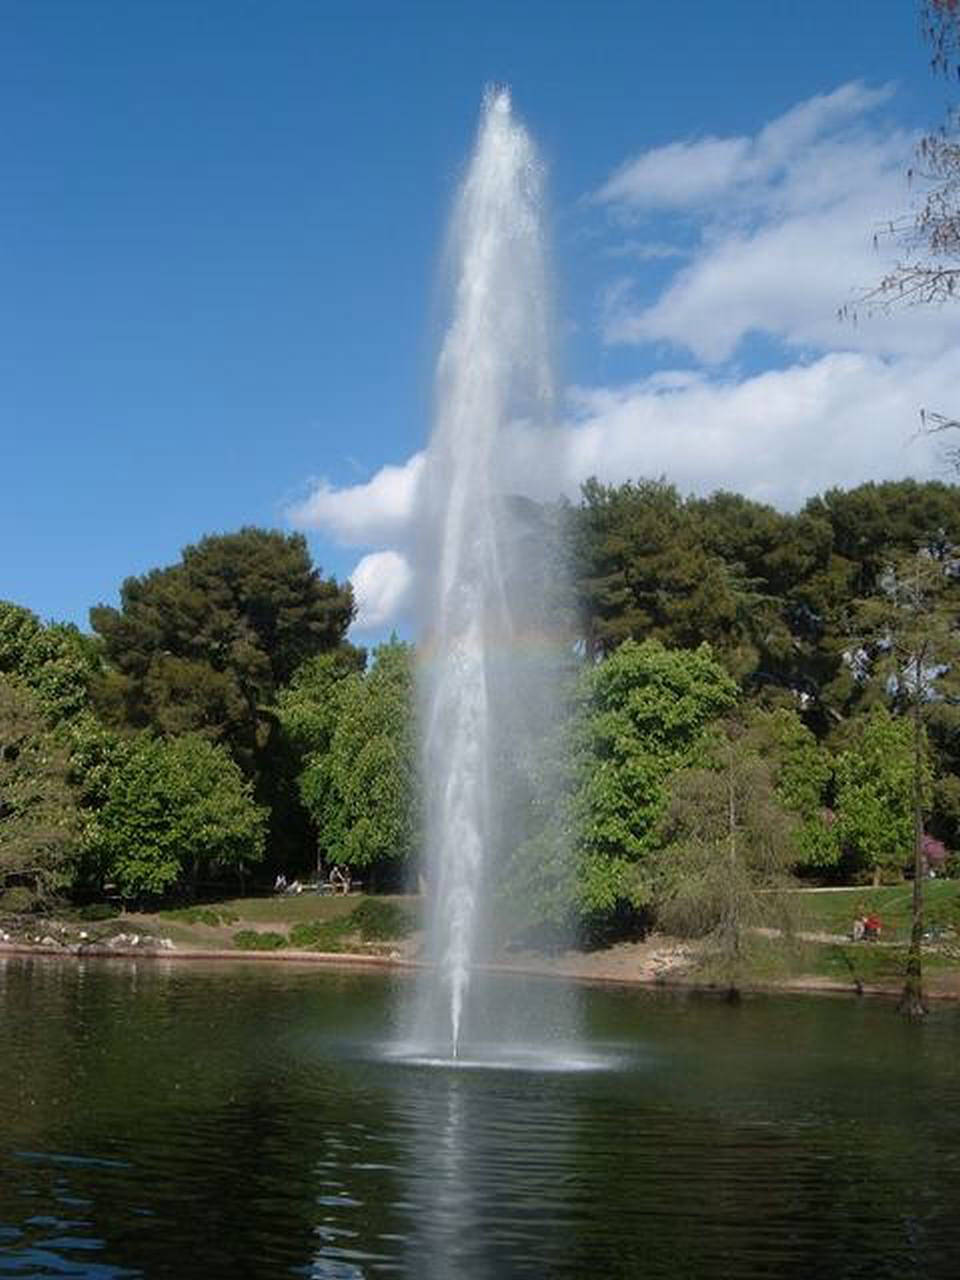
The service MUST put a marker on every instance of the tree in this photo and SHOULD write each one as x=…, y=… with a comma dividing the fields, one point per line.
x=38, y=825
x=177, y=811
x=728, y=843
x=361, y=789
x=875, y=794
x=307, y=713
x=204, y=645
x=868, y=526
x=928, y=273
x=644, y=713
x=801, y=771
x=55, y=660
x=912, y=644
x=307, y=707
x=645, y=567
x=932, y=236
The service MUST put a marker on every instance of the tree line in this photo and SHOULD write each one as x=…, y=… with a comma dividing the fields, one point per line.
x=748, y=694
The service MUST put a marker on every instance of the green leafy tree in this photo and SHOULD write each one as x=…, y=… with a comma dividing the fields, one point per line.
x=38, y=822
x=307, y=707
x=870, y=526
x=177, y=811
x=875, y=793
x=644, y=713
x=802, y=774
x=96, y=753
x=619, y=538
x=728, y=844
x=55, y=660
x=361, y=789
x=643, y=569
x=204, y=645
x=307, y=712
x=912, y=645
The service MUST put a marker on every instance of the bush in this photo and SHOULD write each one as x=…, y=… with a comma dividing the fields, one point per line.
x=94, y=911
x=251, y=940
x=320, y=935
x=19, y=900
x=379, y=921
x=373, y=920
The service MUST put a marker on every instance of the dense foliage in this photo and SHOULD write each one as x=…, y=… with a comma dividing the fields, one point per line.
x=219, y=721
x=205, y=645
x=359, y=779
x=177, y=810
x=728, y=843
x=646, y=710
x=38, y=823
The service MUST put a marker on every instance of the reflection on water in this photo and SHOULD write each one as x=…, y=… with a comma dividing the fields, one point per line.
x=165, y=1121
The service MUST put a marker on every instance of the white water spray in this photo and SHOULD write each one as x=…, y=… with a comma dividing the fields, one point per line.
x=478, y=686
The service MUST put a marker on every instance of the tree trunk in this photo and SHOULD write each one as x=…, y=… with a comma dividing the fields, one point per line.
x=911, y=1001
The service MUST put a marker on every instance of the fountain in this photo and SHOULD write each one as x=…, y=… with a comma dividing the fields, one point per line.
x=489, y=663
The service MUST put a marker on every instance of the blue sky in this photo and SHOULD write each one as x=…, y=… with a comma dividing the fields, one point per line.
x=219, y=235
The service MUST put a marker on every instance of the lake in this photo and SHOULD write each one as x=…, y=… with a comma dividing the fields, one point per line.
x=169, y=1119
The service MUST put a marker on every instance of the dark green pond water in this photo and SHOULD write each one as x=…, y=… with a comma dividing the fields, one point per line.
x=174, y=1120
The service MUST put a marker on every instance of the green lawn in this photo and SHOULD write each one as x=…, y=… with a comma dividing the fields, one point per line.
x=826, y=911
x=281, y=909
x=849, y=963
x=335, y=922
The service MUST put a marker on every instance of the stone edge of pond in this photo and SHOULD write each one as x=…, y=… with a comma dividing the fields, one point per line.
x=334, y=959
x=100, y=951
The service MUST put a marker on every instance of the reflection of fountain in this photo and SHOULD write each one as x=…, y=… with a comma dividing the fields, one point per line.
x=486, y=669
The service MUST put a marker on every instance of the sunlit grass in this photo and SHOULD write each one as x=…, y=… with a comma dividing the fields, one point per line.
x=827, y=911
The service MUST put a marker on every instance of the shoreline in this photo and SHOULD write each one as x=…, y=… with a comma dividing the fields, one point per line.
x=555, y=970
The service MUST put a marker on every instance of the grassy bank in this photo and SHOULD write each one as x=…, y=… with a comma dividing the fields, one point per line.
x=834, y=910
x=342, y=923
x=821, y=951
x=302, y=921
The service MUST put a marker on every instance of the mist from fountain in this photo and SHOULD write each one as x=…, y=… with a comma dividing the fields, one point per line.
x=488, y=660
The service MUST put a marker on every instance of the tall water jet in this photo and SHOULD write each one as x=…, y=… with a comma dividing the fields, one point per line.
x=485, y=683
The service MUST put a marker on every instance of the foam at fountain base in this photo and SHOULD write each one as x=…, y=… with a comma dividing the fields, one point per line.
x=535, y=1059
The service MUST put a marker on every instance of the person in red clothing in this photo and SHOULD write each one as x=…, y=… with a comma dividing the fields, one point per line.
x=872, y=926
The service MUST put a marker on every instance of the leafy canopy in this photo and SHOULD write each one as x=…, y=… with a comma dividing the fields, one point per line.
x=204, y=645
x=728, y=844
x=176, y=810
x=644, y=713
x=38, y=821
x=359, y=785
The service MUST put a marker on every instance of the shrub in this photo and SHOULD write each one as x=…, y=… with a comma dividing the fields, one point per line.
x=379, y=921
x=251, y=940
x=19, y=900
x=320, y=935
x=94, y=911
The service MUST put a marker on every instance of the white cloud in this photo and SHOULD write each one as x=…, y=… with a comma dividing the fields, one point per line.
x=684, y=174
x=775, y=235
x=363, y=515
x=779, y=436
x=382, y=583
x=783, y=226
x=678, y=174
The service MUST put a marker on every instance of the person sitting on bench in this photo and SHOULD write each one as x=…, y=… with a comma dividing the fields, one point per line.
x=340, y=880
